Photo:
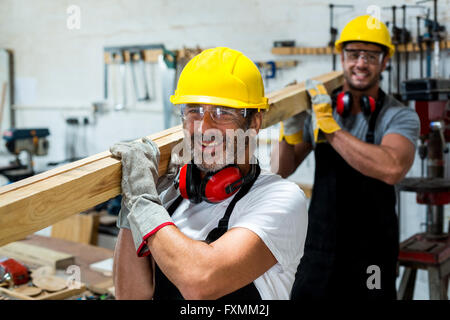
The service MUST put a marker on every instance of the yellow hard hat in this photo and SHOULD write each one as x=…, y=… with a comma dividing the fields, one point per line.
x=221, y=76
x=366, y=28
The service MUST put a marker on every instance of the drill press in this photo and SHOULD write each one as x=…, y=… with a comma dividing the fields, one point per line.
x=429, y=250
x=32, y=142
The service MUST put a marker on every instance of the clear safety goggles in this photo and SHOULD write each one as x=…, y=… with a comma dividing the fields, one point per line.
x=370, y=57
x=219, y=114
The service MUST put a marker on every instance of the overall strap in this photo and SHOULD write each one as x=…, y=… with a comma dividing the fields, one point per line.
x=370, y=136
x=174, y=205
x=222, y=227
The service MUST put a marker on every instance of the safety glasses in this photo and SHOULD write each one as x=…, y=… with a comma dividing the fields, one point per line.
x=370, y=57
x=219, y=114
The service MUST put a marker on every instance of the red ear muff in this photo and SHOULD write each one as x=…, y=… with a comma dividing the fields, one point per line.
x=182, y=182
x=344, y=102
x=368, y=105
x=215, y=186
x=220, y=185
x=189, y=183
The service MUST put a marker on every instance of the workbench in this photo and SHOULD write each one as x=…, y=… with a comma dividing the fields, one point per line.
x=84, y=255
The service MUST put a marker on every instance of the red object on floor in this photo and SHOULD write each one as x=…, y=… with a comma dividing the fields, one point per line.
x=18, y=272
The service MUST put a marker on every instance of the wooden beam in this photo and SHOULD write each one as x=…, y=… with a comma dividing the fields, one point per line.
x=37, y=202
x=294, y=99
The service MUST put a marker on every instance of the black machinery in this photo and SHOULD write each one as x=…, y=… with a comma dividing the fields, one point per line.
x=429, y=250
x=31, y=142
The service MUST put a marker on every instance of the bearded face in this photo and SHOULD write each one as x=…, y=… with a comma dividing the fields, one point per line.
x=217, y=141
x=362, y=64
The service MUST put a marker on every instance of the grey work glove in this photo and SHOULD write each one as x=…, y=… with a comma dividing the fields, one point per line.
x=140, y=200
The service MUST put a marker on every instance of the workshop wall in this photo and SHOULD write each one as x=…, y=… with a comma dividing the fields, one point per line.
x=59, y=71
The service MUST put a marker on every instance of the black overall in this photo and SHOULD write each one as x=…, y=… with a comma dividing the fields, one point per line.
x=166, y=290
x=352, y=225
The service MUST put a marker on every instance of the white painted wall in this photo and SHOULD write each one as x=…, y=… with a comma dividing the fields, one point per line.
x=59, y=72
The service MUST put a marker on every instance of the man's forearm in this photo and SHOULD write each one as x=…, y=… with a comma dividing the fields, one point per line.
x=283, y=159
x=209, y=271
x=133, y=276
x=289, y=157
x=381, y=162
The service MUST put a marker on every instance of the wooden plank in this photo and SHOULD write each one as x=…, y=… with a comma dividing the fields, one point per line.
x=59, y=295
x=294, y=99
x=42, y=200
x=35, y=255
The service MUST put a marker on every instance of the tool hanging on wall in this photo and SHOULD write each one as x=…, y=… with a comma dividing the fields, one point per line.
x=130, y=93
x=106, y=67
x=433, y=38
x=151, y=58
x=389, y=69
x=396, y=40
x=276, y=65
x=420, y=42
x=406, y=36
x=139, y=77
x=334, y=31
x=131, y=60
x=126, y=78
x=118, y=81
x=269, y=69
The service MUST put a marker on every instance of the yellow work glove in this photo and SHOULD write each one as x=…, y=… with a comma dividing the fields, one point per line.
x=322, y=116
x=291, y=129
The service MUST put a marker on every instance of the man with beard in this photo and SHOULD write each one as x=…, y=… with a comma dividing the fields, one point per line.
x=225, y=229
x=364, y=143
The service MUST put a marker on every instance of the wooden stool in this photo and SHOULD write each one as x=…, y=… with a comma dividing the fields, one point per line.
x=420, y=252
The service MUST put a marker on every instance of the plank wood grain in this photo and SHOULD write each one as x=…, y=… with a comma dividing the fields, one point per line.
x=37, y=202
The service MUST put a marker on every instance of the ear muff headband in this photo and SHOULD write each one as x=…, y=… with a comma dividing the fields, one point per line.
x=344, y=101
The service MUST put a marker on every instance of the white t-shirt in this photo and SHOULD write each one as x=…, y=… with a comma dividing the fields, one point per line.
x=274, y=208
